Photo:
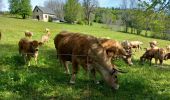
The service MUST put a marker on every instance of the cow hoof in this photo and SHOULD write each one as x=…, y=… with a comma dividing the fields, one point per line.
x=72, y=82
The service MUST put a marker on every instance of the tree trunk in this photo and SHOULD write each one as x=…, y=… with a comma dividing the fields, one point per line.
x=126, y=29
x=24, y=16
x=146, y=33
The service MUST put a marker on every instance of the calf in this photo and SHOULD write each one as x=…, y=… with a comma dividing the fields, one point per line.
x=29, y=49
x=153, y=44
x=46, y=37
x=86, y=51
x=114, y=49
x=136, y=44
x=168, y=48
x=28, y=34
x=158, y=54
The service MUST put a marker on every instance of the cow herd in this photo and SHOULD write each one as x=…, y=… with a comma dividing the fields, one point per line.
x=92, y=53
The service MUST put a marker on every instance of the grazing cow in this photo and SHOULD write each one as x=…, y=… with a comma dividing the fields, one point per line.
x=46, y=37
x=153, y=44
x=29, y=49
x=158, y=54
x=86, y=51
x=167, y=56
x=115, y=49
x=0, y=35
x=28, y=34
x=136, y=44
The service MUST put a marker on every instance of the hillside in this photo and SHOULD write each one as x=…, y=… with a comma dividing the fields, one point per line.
x=48, y=81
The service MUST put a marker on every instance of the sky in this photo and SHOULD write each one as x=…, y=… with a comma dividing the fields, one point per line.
x=102, y=3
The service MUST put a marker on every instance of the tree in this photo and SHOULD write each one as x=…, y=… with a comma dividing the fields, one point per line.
x=89, y=8
x=21, y=7
x=71, y=9
x=57, y=6
x=125, y=15
x=157, y=5
x=25, y=8
x=14, y=6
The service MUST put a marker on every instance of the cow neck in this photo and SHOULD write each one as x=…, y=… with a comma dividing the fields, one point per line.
x=100, y=56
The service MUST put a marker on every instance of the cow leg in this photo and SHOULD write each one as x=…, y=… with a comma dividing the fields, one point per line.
x=161, y=61
x=150, y=60
x=93, y=71
x=28, y=60
x=36, y=58
x=156, y=61
x=74, y=71
x=65, y=63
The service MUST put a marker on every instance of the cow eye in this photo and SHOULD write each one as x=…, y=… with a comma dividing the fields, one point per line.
x=115, y=76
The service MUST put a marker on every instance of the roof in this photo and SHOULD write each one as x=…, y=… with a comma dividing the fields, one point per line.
x=45, y=10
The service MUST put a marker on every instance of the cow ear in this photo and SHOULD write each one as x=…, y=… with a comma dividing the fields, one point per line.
x=40, y=43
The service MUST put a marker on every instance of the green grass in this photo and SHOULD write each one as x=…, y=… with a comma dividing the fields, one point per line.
x=47, y=80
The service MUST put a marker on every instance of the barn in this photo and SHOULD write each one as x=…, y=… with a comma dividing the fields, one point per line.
x=43, y=14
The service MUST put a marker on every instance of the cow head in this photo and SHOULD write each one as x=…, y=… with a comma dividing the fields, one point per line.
x=35, y=46
x=113, y=80
x=102, y=63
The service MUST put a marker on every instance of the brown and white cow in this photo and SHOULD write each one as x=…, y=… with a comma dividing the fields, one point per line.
x=158, y=54
x=29, y=49
x=86, y=51
x=28, y=34
x=115, y=49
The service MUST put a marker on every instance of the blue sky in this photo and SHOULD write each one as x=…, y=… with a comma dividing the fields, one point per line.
x=102, y=3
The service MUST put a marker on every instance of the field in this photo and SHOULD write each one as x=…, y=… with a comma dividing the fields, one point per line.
x=47, y=80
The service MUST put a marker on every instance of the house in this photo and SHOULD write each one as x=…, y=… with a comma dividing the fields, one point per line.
x=43, y=13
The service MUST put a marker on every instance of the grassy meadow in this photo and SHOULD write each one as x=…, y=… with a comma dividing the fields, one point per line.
x=47, y=80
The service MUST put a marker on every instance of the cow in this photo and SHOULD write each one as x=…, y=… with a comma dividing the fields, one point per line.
x=28, y=34
x=136, y=44
x=168, y=48
x=114, y=49
x=0, y=35
x=167, y=56
x=153, y=44
x=158, y=54
x=46, y=37
x=85, y=50
x=29, y=49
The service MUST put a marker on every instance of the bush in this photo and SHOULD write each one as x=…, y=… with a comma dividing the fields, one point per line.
x=50, y=19
x=80, y=22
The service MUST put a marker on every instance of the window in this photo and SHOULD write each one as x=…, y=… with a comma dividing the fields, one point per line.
x=37, y=10
x=45, y=16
